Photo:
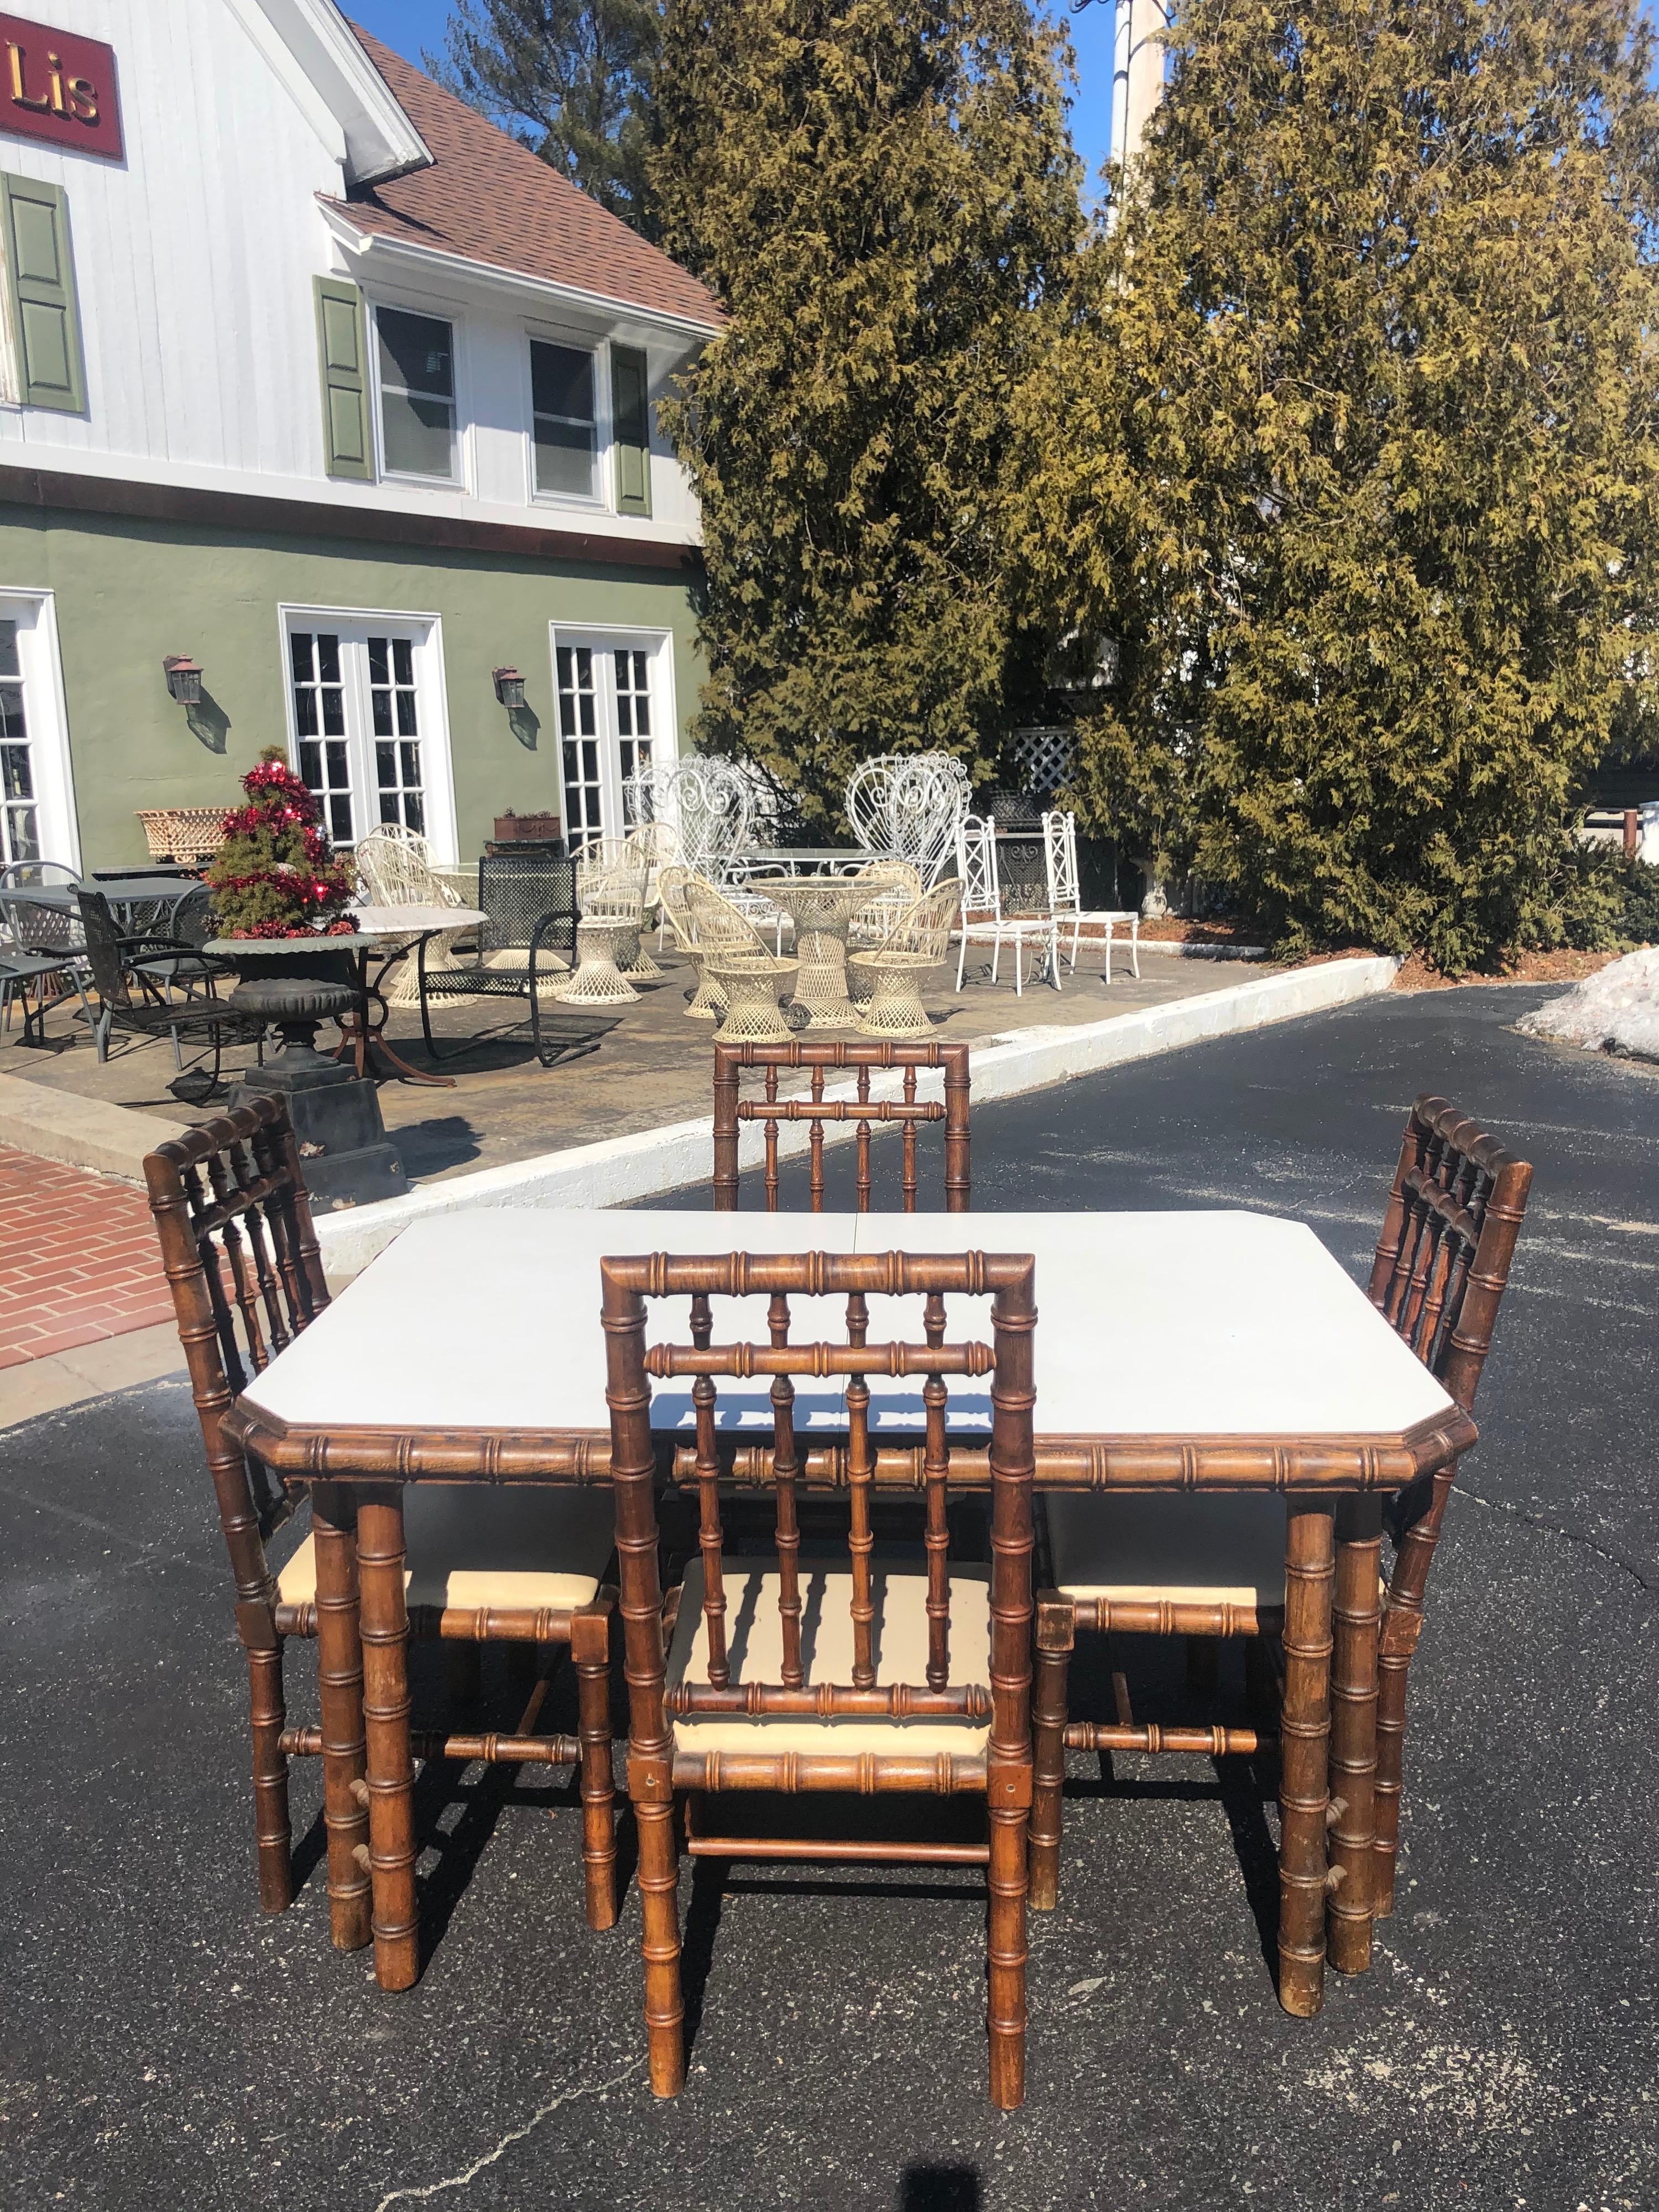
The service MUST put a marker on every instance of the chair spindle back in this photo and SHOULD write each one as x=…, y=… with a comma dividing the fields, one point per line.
x=1009, y=1280
x=1449, y=1236
x=820, y=1058
x=241, y=1260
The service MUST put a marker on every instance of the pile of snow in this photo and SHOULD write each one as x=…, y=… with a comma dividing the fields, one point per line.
x=1616, y=1011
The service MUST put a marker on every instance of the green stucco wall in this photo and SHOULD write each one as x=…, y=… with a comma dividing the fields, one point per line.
x=129, y=592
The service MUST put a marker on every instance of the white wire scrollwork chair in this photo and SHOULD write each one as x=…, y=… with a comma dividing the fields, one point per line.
x=982, y=919
x=1065, y=895
x=908, y=807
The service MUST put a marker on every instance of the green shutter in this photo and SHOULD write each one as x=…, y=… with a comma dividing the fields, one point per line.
x=630, y=421
x=342, y=353
x=45, y=319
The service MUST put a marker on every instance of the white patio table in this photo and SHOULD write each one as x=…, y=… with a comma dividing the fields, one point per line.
x=1179, y=1351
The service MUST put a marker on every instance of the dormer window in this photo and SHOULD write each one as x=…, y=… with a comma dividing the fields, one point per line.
x=416, y=364
x=563, y=398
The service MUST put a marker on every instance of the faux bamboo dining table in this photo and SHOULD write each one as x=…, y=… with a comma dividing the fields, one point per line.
x=1223, y=1351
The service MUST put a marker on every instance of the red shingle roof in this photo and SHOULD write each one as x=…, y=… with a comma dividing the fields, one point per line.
x=490, y=199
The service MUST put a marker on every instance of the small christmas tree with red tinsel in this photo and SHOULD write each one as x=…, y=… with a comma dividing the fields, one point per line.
x=276, y=874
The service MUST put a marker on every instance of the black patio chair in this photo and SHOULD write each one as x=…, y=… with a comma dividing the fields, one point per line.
x=44, y=944
x=190, y=920
x=529, y=908
x=116, y=963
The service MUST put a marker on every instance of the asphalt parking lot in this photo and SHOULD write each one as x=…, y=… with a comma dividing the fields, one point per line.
x=163, y=2045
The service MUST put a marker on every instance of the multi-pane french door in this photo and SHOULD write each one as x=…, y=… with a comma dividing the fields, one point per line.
x=612, y=716
x=37, y=804
x=19, y=813
x=362, y=700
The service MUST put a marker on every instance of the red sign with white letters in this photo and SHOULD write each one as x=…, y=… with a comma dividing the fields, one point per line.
x=58, y=87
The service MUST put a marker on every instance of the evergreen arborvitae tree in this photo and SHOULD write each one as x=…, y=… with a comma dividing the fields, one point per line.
x=882, y=194
x=276, y=874
x=571, y=79
x=1352, y=444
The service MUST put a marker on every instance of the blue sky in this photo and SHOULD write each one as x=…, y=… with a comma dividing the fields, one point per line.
x=408, y=25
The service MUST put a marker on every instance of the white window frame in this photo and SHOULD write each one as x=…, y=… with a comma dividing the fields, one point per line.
x=431, y=690
x=603, y=501
x=41, y=659
x=608, y=637
x=434, y=312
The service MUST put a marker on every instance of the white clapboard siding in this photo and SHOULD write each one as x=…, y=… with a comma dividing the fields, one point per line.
x=194, y=265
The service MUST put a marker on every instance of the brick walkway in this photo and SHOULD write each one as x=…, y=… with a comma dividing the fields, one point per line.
x=78, y=1259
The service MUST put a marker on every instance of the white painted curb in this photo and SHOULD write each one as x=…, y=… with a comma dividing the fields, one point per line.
x=654, y=1161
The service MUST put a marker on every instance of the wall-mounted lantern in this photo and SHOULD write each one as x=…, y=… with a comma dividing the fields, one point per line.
x=509, y=686
x=183, y=677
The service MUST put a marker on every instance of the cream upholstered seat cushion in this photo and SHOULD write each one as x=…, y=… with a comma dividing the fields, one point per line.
x=468, y=1545
x=1226, y=1549
x=754, y=1641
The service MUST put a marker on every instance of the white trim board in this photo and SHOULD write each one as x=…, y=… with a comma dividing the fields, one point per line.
x=653, y=1162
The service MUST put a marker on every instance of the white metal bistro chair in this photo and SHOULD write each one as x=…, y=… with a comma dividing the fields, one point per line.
x=1066, y=897
x=983, y=921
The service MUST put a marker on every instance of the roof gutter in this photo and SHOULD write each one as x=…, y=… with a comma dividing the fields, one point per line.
x=375, y=245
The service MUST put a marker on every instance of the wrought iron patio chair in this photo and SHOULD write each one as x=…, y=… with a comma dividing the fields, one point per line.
x=826, y=1057
x=803, y=1676
x=116, y=964
x=39, y=947
x=518, y=1567
x=528, y=933
x=1209, y=1567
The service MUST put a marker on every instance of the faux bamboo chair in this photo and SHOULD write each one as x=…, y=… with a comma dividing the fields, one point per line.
x=520, y=1567
x=793, y=1675
x=824, y=1056
x=1204, y=1567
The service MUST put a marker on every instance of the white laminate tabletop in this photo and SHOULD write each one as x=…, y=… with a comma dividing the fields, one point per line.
x=1215, y=1323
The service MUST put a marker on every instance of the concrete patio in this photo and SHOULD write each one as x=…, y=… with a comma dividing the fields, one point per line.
x=650, y=1066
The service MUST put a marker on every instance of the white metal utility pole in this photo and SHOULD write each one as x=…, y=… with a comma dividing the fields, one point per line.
x=1137, y=72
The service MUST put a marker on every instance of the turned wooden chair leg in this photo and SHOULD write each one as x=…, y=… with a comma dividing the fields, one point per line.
x=1056, y=1626
x=273, y=1834
x=340, y=1697
x=590, y=1649
x=1305, y=1736
x=1402, y=1624
x=658, y=1877
x=389, y=1773
x=1357, y=1616
x=1006, y=1949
